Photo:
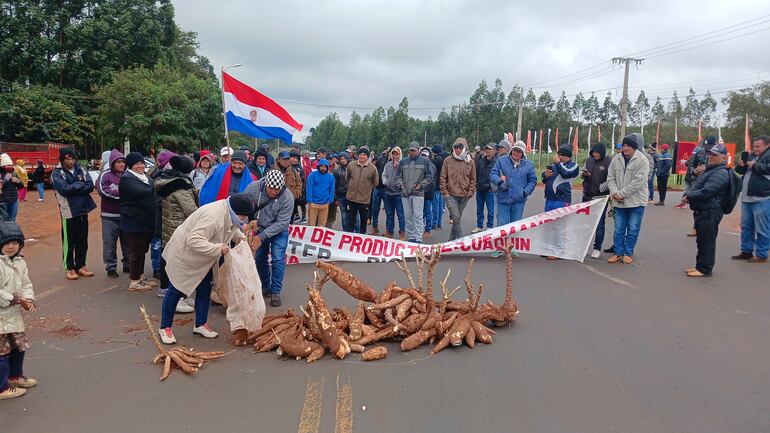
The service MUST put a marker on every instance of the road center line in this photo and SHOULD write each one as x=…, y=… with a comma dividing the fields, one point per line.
x=609, y=277
x=344, y=412
x=310, y=418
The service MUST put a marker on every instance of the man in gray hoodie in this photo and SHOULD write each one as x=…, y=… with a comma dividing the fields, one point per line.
x=273, y=204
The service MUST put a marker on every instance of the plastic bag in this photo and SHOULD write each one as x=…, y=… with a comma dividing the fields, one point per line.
x=239, y=278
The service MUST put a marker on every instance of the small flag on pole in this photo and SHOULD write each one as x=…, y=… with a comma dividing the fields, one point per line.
x=575, y=142
x=657, y=133
x=529, y=141
x=747, y=137
x=599, y=132
x=700, y=137
x=548, y=142
x=676, y=130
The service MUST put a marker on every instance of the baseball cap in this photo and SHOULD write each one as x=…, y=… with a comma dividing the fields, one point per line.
x=227, y=150
x=283, y=154
x=718, y=149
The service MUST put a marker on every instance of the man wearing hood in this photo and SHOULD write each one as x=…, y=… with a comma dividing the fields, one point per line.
x=341, y=188
x=414, y=175
x=107, y=185
x=439, y=155
x=226, y=179
x=378, y=194
x=362, y=177
x=484, y=194
x=269, y=160
x=393, y=205
x=515, y=178
x=594, y=186
x=259, y=165
x=73, y=187
x=458, y=184
x=627, y=182
x=320, y=194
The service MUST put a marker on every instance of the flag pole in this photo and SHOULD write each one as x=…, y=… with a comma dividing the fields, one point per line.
x=224, y=109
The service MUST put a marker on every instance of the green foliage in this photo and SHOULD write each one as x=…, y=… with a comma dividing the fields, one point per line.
x=162, y=106
x=756, y=102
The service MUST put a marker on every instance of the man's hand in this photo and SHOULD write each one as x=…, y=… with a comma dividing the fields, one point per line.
x=418, y=187
x=28, y=304
x=750, y=164
x=685, y=200
x=617, y=197
x=548, y=173
x=741, y=163
x=224, y=250
x=503, y=178
x=700, y=169
x=586, y=173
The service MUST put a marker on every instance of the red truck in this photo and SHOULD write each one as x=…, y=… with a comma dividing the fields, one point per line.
x=31, y=153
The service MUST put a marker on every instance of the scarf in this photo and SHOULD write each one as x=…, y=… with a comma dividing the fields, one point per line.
x=463, y=156
x=140, y=176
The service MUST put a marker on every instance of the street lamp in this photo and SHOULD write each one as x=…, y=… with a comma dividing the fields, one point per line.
x=224, y=112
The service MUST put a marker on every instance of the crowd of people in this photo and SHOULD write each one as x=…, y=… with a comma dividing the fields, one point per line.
x=188, y=211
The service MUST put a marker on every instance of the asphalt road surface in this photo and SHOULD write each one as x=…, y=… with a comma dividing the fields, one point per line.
x=597, y=348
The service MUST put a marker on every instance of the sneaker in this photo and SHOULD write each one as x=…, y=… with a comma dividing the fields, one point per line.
x=688, y=270
x=138, y=286
x=610, y=249
x=275, y=300
x=183, y=308
x=71, y=275
x=743, y=256
x=614, y=259
x=265, y=294
x=205, y=331
x=303, y=220
x=757, y=260
x=388, y=234
x=660, y=203
x=375, y=231
x=627, y=260
x=697, y=274
x=477, y=229
x=693, y=233
x=23, y=382
x=150, y=283
x=426, y=235
x=162, y=293
x=84, y=272
x=12, y=393
x=112, y=273
x=595, y=254
x=167, y=336
x=40, y=199
x=681, y=206
x=401, y=236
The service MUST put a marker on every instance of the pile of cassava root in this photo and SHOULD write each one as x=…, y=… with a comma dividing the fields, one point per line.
x=407, y=314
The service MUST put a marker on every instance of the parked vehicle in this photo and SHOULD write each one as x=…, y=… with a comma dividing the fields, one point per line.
x=32, y=152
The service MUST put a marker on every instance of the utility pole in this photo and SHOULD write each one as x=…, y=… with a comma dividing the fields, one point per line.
x=624, y=102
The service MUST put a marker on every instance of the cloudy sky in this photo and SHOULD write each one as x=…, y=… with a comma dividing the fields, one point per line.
x=370, y=53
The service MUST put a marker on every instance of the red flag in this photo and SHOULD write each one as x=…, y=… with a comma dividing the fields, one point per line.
x=529, y=141
x=657, y=133
x=510, y=138
x=575, y=142
x=747, y=138
x=700, y=137
x=599, y=131
x=556, y=140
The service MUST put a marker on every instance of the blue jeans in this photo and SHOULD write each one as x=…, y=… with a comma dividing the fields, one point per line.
x=343, y=205
x=554, y=204
x=271, y=274
x=438, y=209
x=378, y=196
x=202, y=302
x=628, y=222
x=394, y=206
x=509, y=212
x=427, y=215
x=155, y=250
x=755, y=228
x=11, y=367
x=12, y=209
x=488, y=199
x=40, y=189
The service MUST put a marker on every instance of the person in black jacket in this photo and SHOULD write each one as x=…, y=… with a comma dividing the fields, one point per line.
x=705, y=199
x=378, y=193
x=137, y=219
x=663, y=171
x=594, y=186
x=341, y=188
x=39, y=178
x=484, y=193
x=438, y=200
x=430, y=201
x=755, y=202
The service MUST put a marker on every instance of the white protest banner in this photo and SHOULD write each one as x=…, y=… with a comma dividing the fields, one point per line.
x=566, y=233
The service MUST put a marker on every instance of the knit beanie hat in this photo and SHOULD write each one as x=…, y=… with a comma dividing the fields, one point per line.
x=65, y=152
x=240, y=155
x=10, y=231
x=182, y=164
x=164, y=157
x=365, y=151
x=132, y=158
x=437, y=148
x=634, y=141
x=565, y=151
x=241, y=204
x=274, y=179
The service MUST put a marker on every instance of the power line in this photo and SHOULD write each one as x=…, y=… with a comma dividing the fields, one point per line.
x=710, y=43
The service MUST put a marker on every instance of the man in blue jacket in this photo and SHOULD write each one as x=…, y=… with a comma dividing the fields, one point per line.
x=320, y=194
x=662, y=171
x=515, y=178
x=73, y=187
x=558, y=179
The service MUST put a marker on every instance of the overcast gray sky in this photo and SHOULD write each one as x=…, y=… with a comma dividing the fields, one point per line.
x=371, y=53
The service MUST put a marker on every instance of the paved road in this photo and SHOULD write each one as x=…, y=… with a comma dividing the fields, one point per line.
x=598, y=348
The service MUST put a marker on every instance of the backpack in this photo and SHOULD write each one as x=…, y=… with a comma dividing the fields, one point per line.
x=732, y=193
